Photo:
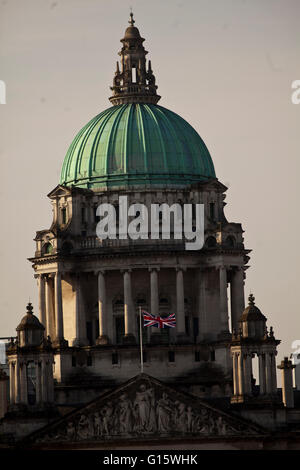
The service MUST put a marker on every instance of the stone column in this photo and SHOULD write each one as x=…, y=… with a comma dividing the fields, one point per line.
x=11, y=383
x=223, y=299
x=23, y=374
x=80, y=321
x=38, y=382
x=17, y=382
x=59, y=325
x=50, y=381
x=262, y=373
x=103, y=338
x=273, y=372
x=180, y=315
x=48, y=302
x=235, y=374
x=44, y=381
x=42, y=300
x=129, y=314
x=240, y=374
x=203, y=319
x=3, y=393
x=237, y=298
x=268, y=374
x=247, y=364
x=154, y=301
x=287, y=367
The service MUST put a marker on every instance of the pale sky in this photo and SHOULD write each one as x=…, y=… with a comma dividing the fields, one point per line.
x=226, y=66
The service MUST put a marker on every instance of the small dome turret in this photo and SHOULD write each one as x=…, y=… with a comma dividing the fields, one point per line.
x=252, y=321
x=30, y=330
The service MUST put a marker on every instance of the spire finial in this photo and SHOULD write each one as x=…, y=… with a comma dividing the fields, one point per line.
x=251, y=299
x=131, y=21
x=29, y=308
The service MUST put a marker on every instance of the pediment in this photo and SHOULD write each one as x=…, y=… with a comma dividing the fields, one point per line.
x=61, y=190
x=143, y=408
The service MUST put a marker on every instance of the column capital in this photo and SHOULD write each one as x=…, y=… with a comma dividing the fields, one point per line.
x=180, y=268
x=99, y=271
x=153, y=268
x=126, y=270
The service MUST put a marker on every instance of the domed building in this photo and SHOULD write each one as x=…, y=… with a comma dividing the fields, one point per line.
x=93, y=289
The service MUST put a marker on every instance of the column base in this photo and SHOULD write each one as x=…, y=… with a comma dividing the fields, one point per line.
x=156, y=338
x=182, y=338
x=129, y=339
x=225, y=336
x=102, y=340
x=80, y=342
x=60, y=343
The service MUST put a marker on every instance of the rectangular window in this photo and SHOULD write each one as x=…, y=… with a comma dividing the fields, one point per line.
x=133, y=75
x=64, y=215
x=171, y=356
x=212, y=355
x=89, y=331
x=212, y=210
x=120, y=329
x=195, y=328
x=89, y=360
x=145, y=356
x=83, y=215
x=197, y=356
x=73, y=361
x=187, y=325
x=115, y=358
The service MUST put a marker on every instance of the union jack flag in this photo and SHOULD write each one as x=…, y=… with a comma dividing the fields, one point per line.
x=159, y=322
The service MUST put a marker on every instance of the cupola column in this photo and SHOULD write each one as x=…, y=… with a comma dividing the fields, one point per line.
x=17, y=381
x=38, y=382
x=129, y=315
x=12, y=382
x=223, y=299
x=59, y=325
x=80, y=321
x=102, y=308
x=180, y=318
x=262, y=373
x=240, y=374
x=287, y=367
x=203, y=320
x=48, y=301
x=237, y=296
x=154, y=307
x=42, y=304
x=23, y=374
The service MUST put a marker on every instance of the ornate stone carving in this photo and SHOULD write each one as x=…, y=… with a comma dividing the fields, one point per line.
x=144, y=408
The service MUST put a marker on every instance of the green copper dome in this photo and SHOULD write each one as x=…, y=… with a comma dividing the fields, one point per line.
x=136, y=144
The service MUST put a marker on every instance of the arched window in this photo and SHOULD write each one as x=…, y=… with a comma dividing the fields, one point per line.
x=64, y=215
x=211, y=242
x=230, y=242
x=31, y=382
x=48, y=248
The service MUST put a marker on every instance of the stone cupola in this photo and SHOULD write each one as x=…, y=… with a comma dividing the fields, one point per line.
x=135, y=82
x=30, y=331
x=252, y=321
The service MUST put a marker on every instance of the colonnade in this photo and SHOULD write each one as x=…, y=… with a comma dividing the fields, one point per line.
x=50, y=298
x=18, y=380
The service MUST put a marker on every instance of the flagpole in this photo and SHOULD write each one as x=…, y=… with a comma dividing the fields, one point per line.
x=141, y=341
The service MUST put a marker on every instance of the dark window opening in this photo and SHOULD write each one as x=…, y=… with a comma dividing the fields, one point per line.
x=144, y=330
x=145, y=356
x=31, y=383
x=64, y=215
x=74, y=363
x=89, y=360
x=197, y=356
x=212, y=355
x=120, y=329
x=195, y=328
x=115, y=358
x=187, y=325
x=212, y=210
x=89, y=331
x=83, y=215
x=171, y=356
